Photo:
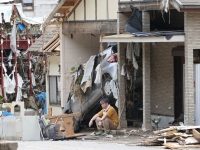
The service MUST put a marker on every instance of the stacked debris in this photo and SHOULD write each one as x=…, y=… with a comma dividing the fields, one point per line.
x=175, y=137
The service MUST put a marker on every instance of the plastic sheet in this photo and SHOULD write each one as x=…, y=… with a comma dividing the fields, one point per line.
x=9, y=84
x=110, y=68
x=123, y=70
x=6, y=9
x=98, y=78
x=114, y=89
x=5, y=1
x=19, y=88
x=5, y=113
x=42, y=98
x=87, y=77
x=33, y=79
x=30, y=20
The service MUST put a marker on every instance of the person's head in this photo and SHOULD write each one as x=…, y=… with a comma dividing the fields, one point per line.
x=104, y=103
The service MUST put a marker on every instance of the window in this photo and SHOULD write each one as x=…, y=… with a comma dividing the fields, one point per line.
x=54, y=90
x=28, y=4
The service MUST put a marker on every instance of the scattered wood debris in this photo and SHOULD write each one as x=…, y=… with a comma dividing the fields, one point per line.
x=176, y=137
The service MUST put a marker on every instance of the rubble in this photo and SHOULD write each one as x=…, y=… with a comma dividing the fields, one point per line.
x=174, y=137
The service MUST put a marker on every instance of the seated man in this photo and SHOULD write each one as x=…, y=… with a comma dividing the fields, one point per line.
x=106, y=119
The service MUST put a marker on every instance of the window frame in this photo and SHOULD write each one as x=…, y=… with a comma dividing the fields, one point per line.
x=50, y=103
x=25, y=8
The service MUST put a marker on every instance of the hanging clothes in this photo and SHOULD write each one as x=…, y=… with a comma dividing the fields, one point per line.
x=129, y=51
x=9, y=84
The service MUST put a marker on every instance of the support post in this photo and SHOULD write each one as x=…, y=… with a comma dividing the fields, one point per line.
x=122, y=20
x=192, y=40
x=146, y=74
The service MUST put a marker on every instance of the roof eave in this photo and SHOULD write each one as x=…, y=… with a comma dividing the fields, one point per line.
x=52, y=14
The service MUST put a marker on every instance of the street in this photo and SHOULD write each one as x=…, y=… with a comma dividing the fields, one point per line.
x=78, y=145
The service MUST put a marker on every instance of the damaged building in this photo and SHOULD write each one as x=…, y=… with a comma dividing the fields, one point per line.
x=169, y=38
x=154, y=79
x=23, y=74
x=143, y=55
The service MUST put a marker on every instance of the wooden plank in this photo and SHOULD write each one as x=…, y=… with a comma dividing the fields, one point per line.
x=196, y=134
x=177, y=146
x=109, y=27
x=67, y=3
x=164, y=130
x=125, y=7
x=68, y=123
x=187, y=127
x=51, y=45
x=72, y=10
x=53, y=13
x=50, y=111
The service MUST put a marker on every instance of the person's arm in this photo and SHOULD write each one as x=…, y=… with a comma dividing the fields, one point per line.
x=93, y=118
x=103, y=117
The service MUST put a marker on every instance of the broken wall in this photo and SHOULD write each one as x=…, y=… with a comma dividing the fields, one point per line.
x=76, y=49
x=162, y=78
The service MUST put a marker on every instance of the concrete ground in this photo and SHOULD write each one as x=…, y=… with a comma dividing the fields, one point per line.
x=79, y=145
x=117, y=142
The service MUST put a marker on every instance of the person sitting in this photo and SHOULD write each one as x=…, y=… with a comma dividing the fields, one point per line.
x=106, y=119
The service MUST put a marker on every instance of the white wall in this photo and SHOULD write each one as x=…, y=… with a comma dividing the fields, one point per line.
x=42, y=8
x=105, y=10
x=52, y=62
x=75, y=51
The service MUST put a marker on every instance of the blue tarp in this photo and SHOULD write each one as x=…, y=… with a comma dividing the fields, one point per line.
x=42, y=98
x=5, y=113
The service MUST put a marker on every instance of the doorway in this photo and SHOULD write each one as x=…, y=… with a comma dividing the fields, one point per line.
x=178, y=87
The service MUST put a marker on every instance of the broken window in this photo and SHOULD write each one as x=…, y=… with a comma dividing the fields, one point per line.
x=54, y=90
x=28, y=4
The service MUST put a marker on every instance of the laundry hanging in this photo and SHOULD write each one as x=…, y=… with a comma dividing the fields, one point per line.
x=19, y=88
x=9, y=84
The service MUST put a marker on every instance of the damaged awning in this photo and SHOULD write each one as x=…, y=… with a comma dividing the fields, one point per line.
x=47, y=42
x=126, y=38
x=186, y=5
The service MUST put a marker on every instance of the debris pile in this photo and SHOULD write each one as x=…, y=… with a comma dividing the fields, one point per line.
x=174, y=137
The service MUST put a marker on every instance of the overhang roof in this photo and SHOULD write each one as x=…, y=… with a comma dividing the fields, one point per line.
x=64, y=9
x=189, y=2
x=127, y=38
x=186, y=5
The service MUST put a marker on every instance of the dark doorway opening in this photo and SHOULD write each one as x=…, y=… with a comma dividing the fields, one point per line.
x=178, y=87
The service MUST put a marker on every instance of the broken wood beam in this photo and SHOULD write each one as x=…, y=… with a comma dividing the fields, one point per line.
x=165, y=130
